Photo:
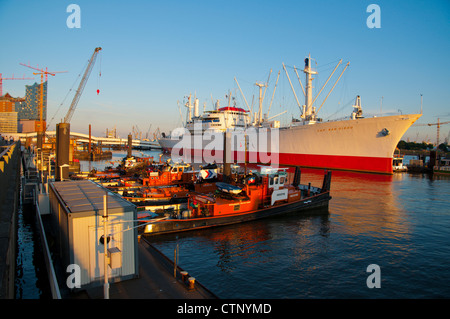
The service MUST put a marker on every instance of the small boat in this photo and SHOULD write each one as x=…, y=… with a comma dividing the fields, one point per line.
x=442, y=167
x=228, y=188
x=168, y=174
x=397, y=165
x=397, y=162
x=267, y=195
x=146, y=196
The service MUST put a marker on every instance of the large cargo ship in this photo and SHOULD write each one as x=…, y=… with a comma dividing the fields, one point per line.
x=358, y=143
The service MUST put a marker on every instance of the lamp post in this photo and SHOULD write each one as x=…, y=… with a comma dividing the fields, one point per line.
x=50, y=166
x=105, y=245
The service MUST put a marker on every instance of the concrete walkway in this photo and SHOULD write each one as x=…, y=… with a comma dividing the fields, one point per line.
x=156, y=281
x=156, y=277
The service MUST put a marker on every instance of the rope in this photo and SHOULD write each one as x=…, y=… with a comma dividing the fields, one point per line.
x=99, y=73
x=60, y=105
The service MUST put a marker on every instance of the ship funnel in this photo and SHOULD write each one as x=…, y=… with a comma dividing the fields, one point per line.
x=196, y=103
x=308, y=114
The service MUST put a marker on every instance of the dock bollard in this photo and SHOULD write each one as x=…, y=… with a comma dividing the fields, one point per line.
x=184, y=275
x=191, y=282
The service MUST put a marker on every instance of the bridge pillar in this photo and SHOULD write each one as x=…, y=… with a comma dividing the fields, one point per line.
x=62, y=151
x=130, y=145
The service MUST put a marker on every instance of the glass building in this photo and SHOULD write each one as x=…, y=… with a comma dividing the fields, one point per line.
x=29, y=109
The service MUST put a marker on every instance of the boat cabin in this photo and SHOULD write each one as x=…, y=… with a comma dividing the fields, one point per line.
x=168, y=174
x=220, y=119
x=263, y=189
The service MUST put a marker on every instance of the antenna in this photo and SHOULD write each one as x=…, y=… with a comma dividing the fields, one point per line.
x=421, y=102
x=381, y=106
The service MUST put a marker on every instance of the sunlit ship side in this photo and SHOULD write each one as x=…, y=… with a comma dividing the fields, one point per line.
x=356, y=144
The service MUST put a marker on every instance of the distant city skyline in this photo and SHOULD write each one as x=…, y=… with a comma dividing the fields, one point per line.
x=156, y=53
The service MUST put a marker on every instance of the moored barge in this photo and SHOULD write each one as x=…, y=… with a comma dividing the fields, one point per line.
x=264, y=195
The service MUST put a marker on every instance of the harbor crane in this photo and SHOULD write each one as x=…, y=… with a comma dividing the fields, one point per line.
x=80, y=89
x=41, y=127
x=148, y=132
x=13, y=78
x=63, y=129
x=438, y=127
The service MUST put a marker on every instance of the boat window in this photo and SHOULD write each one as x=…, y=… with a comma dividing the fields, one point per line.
x=282, y=180
x=271, y=181
x=211, y=119
x=275, y=180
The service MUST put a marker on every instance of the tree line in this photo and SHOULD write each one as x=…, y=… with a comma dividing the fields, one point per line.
x=413, y=146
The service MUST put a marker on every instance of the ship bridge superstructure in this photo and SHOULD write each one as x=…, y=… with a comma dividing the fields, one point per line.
x=218, y=120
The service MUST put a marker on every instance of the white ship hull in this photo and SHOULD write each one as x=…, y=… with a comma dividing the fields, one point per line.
x=362, y=144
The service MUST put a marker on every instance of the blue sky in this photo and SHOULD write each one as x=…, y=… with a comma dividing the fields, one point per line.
x=157, y=52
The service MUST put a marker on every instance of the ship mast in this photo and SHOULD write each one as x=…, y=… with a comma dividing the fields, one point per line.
x=260, y=85
x=189, y=106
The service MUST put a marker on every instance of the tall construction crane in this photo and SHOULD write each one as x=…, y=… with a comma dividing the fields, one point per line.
x=41, y=126
x=438, y=127
x=80, y=89
x=13, y=78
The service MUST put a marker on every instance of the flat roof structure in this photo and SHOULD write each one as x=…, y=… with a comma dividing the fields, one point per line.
x=85, y=196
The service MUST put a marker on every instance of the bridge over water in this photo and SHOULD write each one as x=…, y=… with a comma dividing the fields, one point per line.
x=84, y=138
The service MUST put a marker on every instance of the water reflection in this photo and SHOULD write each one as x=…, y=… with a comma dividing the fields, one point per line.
x=368, y=204
x=31, y=281
x=400, y=222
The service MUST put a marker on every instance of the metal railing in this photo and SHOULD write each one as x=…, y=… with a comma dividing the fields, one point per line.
x=54, y=287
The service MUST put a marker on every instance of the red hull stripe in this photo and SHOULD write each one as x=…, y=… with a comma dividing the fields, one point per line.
x=352, y=163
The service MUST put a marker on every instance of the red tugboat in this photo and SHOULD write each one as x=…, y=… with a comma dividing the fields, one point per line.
x=260, y=195
x=168, y=174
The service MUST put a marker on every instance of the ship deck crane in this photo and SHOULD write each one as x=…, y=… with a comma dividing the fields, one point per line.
x=80, y=89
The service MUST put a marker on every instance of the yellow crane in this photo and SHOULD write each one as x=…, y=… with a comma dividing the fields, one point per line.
x=40, y=127
x=438, y=128
x=12, y=78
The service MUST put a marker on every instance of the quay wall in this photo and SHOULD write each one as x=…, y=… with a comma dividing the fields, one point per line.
x=10, y=164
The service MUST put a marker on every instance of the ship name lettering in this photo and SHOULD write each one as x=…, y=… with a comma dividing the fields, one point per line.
x=337, y=128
